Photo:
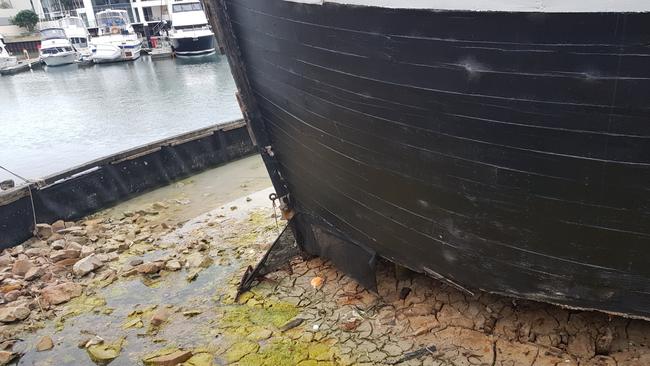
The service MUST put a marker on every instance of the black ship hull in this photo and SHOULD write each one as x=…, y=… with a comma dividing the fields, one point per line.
x=507, y=152
x=193, y=46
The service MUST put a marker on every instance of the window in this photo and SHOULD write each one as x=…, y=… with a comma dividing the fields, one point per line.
x=179, y=8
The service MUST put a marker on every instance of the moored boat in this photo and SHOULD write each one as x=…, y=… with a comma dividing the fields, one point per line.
x=56, y=49
x=501, y=146
x=77, y=33
x=116, y=40
x=6, y=60
x=190, y=34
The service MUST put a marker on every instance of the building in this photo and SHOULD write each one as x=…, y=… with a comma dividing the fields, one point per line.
x=140, y=11
x=9, y=9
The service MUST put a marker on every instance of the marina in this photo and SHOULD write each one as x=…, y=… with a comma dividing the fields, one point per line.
x=117, y=106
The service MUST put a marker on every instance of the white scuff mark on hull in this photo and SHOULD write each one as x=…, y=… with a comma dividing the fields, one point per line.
x=543, y=6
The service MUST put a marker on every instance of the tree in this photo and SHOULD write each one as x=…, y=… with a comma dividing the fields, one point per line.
x=5, y=5
x=25, y=19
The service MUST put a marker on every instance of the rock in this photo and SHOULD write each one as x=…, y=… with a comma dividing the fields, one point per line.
x=71, y=230
x=159, y=206
x=86, y=265
x=7, y=184
x=58, y=294
x=64, y=254
x=58, y=225
x=14, y=313
x=86, y=250
x=136, y=262
x=149, y=268
x=103, y=354
x=21, y=267
x=12, y=295
x=159, y=317
x=196, y=260
x=317, y=282
x=291, y=324
x=171, y=359
x=43, y=231
x=33, y=273
x=74, y=246
x=66, y=262
x=6, y=357
x=173, y=265
x=5, y=260
x=44, y=344
x=36, y=252
x=58, y=244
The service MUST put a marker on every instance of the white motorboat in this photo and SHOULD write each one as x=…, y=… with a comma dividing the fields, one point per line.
x=6, y=60
x=190, y=34
x=56, y=49
x=116, y=40
x=77, y=33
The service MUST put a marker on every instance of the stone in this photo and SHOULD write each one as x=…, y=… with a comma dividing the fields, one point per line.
x=14, y=313
x=171, y=359
x=159, y=317
x=136, y=262
x=86, y=250
x=196, y=260
x=21, y=267
x=173, y=265
x=74, y=246
x=159, y=206
x=58, y=225
x=36, y=252
x=103, y=353
x=64, y=254
x=58, y=294
x=33, y=273
x=5, y=260
x=86, y=265
x=149, y=268
x=12, y=295
x=44, y=231
x=6, y=357
x=58, y=244
x=44, y=344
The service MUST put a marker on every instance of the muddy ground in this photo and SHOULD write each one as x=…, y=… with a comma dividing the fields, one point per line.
x=152, y=281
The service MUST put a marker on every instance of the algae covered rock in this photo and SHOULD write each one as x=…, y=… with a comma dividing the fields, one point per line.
x=167, y=357
x=200, y=359
x=104, y=353
x=240, y=349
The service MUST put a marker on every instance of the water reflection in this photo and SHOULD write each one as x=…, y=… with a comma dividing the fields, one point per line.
x=59, y=117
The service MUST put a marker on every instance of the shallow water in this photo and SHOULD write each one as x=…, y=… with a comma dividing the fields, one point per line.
x=56, y=118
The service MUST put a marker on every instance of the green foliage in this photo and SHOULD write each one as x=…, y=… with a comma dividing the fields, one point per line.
x=25, y=19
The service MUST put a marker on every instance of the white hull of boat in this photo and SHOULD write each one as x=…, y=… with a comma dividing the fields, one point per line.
x=60, y=59
x=105, y=53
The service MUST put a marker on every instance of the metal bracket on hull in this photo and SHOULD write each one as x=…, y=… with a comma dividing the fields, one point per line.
x=283, y=249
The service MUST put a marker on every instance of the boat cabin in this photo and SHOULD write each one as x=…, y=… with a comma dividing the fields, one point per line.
x=112, y=22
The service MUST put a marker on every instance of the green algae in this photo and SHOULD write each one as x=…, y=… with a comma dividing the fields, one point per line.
x=240, y=349
x=200, y=359
x=241, y=319
x=104, y=353
x=78, y=306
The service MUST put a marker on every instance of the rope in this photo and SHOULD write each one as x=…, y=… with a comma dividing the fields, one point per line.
x=31, y=197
